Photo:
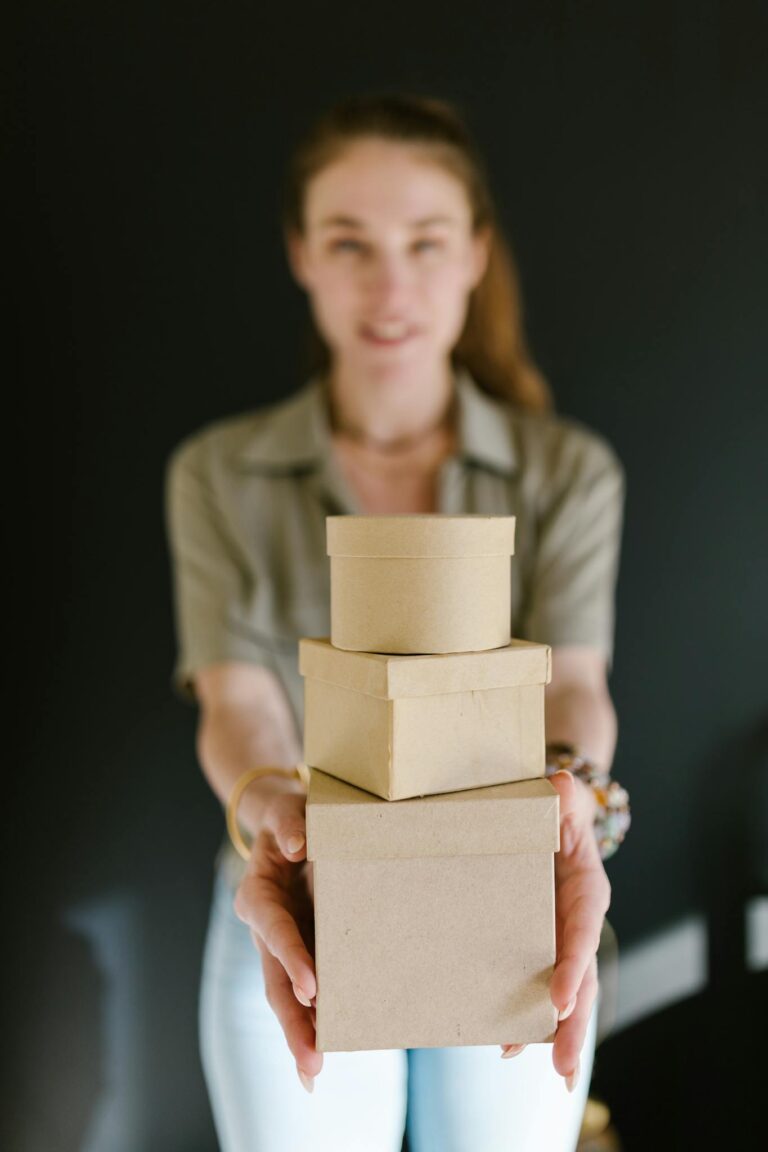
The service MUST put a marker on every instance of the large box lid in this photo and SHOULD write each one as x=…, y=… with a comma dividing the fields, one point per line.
x=347, y=823
x=391, y=676
x=420, y=535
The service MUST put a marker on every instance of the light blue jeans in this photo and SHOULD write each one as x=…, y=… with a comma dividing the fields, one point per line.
x=464, y=1099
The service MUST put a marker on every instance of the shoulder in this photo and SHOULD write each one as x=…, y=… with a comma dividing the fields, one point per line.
x=221, y=446
x=558, y=451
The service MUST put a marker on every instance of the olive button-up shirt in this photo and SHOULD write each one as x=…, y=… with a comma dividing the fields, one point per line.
x=246, y=502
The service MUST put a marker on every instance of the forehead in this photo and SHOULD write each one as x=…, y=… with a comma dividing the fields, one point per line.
x=379, y=182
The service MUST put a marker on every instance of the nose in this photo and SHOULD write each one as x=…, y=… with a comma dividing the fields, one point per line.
x=387, y=282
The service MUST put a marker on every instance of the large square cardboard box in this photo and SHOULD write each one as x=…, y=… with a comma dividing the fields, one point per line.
x=403, y=726
x=420, y=583
x=434, y=917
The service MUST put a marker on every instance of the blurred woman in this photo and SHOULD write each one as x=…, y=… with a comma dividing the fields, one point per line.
x=420, y=396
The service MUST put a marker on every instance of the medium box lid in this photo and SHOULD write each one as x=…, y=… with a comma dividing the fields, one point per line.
x=347, y=823
x=392, y=676
x=418, y=535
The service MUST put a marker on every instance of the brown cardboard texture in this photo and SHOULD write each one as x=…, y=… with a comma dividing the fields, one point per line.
x=403, y=726
x=420, y=583
x=434, y=917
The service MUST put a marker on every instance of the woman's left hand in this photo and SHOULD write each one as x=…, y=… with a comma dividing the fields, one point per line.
x=582, y=898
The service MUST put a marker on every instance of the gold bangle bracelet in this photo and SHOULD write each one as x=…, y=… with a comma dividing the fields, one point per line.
x=242, y=783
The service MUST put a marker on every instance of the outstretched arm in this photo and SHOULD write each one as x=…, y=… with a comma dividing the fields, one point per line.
x=578, y=710
x=245, y=722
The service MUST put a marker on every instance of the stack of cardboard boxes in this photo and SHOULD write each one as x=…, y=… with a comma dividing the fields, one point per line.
x=431, y=828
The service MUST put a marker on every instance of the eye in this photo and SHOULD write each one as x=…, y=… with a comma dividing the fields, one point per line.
x=422, y=244
x=345, y=245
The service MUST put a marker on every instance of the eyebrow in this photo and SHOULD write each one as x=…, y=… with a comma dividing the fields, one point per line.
x=351, y=222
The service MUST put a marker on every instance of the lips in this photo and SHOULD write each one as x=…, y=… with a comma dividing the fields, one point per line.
x=387, y=335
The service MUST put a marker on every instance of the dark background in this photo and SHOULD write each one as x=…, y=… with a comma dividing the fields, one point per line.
x=627, y=148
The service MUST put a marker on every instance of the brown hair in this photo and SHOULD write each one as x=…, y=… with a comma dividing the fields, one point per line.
x=492, y=345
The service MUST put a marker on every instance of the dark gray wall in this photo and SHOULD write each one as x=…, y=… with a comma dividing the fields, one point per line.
x=624, y=142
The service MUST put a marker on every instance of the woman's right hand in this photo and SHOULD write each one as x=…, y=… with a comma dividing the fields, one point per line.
x=275, y=900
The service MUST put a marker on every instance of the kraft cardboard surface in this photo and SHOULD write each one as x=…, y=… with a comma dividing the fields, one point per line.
x=345, y=823
x=390, y=676
x=434, y=918
x=420, y=535
x=404, y=726
x=420, y=583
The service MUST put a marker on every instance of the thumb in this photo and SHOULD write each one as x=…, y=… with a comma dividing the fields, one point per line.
x=287, y=823
x=565, y=785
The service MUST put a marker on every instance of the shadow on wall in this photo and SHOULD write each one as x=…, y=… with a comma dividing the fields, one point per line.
x=106, y=1058
x=60, y=1070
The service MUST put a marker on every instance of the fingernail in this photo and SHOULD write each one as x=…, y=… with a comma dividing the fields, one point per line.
x=302, y=997
x=572, y=1078
x=564, y=1013
x=294, y=843
x=307, y=1081
x=512, y=1050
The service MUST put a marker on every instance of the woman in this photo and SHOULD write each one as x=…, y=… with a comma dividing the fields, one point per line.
x=421, y=397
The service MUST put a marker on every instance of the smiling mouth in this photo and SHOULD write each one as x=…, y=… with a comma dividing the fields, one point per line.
x=385, y=337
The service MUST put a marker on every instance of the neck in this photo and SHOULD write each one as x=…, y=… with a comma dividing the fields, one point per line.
x=388, y=414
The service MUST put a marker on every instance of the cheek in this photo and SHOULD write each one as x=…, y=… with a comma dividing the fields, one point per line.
x=334, y=298
x=446, y=290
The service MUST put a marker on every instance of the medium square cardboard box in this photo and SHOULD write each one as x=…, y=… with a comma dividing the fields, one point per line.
x=403, y=726
x=420, y=583
x=434, y=917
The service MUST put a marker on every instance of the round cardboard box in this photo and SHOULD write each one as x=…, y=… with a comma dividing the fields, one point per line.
x=420, y=583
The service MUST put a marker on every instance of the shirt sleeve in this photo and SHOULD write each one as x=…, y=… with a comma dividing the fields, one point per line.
x=212, y=582
x=572, y=590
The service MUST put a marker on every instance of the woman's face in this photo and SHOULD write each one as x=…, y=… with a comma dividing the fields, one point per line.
x=388, y=257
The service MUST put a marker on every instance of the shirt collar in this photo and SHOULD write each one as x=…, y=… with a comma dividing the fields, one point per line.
x=298, y=434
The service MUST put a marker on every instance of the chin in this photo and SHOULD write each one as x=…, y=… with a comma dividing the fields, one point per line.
x=395, y=373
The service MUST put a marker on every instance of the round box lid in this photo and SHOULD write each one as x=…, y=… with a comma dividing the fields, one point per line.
x=420, y=535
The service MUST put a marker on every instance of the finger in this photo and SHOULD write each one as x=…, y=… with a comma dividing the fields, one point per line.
x=285, y=818
x=578, y=847
x=576, y=802
x=569, y=1038
x=565, y=785
x=273, y=923
x=508, y=1050
x=263, y=903
x=581, y=928
x=576, y=796
x=295, y=1021
x=297, y=991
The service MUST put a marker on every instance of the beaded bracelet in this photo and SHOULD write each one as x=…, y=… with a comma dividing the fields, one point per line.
x=612, y=818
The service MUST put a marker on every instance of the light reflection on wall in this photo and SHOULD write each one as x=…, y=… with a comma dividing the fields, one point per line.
x=112, y=926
